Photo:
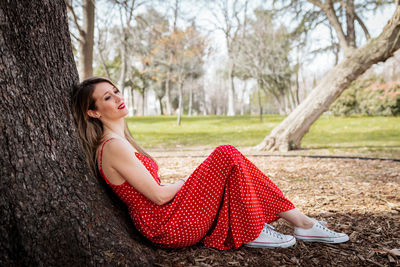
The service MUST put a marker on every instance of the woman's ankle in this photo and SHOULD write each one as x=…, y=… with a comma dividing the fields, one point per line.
x=306, y=224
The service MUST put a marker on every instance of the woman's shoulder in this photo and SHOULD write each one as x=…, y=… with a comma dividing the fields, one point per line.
x=117, y=147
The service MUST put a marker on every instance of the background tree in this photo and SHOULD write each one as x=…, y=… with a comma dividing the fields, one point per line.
x=126, y=15
x=264, y=56
x=188, y=47
x=52, y=211
x=289, y=133
x=85, y=31
x=151, y=26
x=230, y=17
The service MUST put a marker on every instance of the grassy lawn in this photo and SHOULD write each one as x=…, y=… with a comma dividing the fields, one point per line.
x=356, y=133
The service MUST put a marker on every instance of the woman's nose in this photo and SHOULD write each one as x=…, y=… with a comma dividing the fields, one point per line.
x=119, y=98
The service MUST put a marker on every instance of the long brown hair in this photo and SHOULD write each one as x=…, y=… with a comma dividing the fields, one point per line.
x=90, y=129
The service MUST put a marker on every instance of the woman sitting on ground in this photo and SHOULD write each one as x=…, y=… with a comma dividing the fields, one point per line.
x=225, y=203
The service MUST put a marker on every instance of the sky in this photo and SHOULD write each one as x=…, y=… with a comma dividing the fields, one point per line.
x=316, y=66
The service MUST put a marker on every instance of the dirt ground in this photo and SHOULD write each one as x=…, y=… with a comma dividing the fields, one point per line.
x=356, y=196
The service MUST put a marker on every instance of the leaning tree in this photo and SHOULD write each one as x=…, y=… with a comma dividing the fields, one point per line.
x=289, y=133
x=52, y=210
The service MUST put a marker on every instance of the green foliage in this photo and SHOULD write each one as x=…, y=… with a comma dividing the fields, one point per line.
x=370, y=97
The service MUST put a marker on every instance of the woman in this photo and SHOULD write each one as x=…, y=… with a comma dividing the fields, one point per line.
x=225, y=203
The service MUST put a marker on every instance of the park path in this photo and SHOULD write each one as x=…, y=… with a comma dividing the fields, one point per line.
x=359, y=197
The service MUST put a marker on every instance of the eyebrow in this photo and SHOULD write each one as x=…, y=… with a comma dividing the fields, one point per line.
x=109, y=91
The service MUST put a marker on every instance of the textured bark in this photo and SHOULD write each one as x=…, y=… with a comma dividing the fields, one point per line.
x=288, y=134
x=351, y=32
x=52, y=211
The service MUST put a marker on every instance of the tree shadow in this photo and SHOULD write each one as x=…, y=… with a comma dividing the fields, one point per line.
x=370, y=234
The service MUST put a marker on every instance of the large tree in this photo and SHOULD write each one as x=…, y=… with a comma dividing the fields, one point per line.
x=52, y=211
x=289, y=133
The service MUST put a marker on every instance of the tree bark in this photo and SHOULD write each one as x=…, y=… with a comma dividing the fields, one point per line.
x=53, y=212
x=289, y=133
x=351, y=33
x=87, y=40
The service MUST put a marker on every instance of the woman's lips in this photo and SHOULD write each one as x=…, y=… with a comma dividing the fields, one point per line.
x=121, y=106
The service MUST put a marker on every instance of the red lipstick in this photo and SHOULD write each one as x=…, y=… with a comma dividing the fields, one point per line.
x=121, y=106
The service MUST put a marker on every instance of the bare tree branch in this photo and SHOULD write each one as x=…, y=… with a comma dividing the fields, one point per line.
x=357, y=18
x=334, y=21
x=318, y=3
x=74, y=17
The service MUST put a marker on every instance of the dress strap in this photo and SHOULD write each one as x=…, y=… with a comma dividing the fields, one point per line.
x=101, y=161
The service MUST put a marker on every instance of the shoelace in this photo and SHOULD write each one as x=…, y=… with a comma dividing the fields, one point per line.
x=321, y=224
x=269, y=229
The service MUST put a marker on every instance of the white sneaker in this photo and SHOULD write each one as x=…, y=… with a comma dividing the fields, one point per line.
x=319, y=233
x=269, y=238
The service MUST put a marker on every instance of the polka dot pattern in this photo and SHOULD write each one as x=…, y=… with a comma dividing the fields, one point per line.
x=224, y=203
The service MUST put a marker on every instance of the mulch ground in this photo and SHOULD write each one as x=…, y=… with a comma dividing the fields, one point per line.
x=355, y=196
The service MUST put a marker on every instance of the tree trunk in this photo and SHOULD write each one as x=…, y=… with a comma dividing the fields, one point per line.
x=180, y=104
x=288, y=134
x=143, y=101
x=351, y=33
x=87, y=40
x=244, y=89
x=204, y=99
x=124, y=63
x=167, y=89
x=161, y=105
x=231, y=92
x=131, y=102
x=190, y=98
x=53, y=212
x=259, y=103
x=334, y=21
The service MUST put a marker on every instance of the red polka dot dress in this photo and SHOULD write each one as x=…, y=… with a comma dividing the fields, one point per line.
x=224, y=203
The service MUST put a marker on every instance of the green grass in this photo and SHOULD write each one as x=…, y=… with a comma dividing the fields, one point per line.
x=328, y=132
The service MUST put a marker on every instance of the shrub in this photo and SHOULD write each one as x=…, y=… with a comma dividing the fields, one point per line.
x=369, y=96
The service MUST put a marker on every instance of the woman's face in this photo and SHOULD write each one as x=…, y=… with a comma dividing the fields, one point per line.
x=109, y=103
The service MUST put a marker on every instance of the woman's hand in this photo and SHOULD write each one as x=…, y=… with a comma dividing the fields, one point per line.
x=184, y=179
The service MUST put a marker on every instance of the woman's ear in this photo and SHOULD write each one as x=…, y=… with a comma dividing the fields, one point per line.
x=93, y=114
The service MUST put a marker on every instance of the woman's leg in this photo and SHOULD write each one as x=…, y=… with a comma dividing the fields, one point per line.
x=311, y=230
x=297, y=218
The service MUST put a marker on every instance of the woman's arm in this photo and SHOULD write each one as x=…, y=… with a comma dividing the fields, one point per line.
x=122, y=159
